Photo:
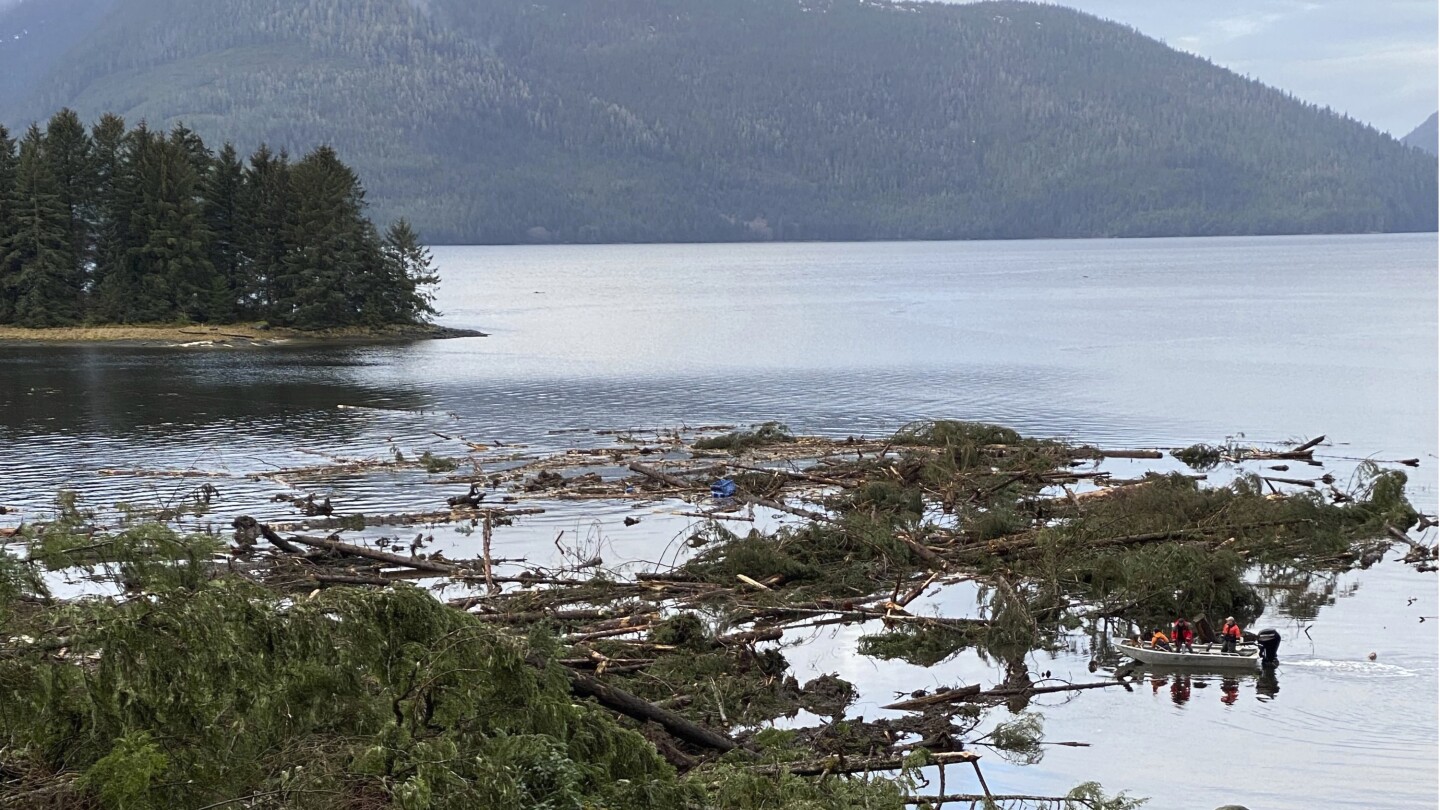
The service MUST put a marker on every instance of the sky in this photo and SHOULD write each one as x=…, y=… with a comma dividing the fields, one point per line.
x=1374, y=60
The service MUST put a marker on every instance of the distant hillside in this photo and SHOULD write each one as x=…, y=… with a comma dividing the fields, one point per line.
x=678, y=120
x=1426, y=136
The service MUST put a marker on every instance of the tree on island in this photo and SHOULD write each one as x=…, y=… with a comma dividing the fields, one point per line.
x=139, y=226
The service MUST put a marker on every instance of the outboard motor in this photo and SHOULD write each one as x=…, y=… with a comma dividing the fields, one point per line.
x=1269, y=642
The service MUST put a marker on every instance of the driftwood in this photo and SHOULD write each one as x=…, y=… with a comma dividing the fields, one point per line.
x=646, y=712
x=331, y=544
x=791, y=474
x=1419, y=552
x=937, y=699
x=740, y=495
x=975, y=798
x=841, y=765
x=973, y=693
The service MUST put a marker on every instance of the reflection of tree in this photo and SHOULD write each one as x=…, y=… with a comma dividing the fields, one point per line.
x=1297, y=593
x=119, y=391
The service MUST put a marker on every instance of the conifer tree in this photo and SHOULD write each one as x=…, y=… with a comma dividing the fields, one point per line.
x=111, y=216
x=69, y=153
x=7, y=220
x=173, y=240
x=264, y=229
x=224, y=187
x=37, y=258
x=112, y=226
x=335, y=253
x=409, y=278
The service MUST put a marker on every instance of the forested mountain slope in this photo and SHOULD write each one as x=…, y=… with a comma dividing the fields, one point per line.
x=1426, y=136
x=639, y=120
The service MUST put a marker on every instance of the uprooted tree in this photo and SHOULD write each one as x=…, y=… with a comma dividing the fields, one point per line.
x=292, y=670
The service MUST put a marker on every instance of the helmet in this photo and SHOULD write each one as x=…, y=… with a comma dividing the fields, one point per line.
x=1229, y=618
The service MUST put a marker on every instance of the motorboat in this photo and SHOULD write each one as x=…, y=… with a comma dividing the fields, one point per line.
x=1246, y=656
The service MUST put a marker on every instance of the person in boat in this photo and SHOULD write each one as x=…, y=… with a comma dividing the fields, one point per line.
x=1183, y=635
x=1160, y=641
x=1230, y=635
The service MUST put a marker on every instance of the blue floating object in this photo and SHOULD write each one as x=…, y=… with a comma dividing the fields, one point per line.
x=724, y=488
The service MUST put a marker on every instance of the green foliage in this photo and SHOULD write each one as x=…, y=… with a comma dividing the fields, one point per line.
x=741, y=440
x=227, y=690
x=37, y=261
x=739, y=789
x=1090, y=796
x=921, y=645
x=681, y=630
x=953, y=433
x=843, y=559
x=888, y=498
x=1202, y=457
x=1382, y=500
x=140, y=226
x=494, y=121
x=1018, y=739
x=125, y=778
x=437, y=464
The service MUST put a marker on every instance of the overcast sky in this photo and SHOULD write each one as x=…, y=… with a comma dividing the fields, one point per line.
x=1375, y=60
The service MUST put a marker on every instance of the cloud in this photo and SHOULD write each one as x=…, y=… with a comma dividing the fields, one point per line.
x=1376, y=60
x=1236, y=27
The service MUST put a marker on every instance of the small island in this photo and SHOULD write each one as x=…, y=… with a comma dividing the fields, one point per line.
x=117, y=234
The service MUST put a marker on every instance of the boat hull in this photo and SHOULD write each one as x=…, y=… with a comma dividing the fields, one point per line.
x=1205, y=656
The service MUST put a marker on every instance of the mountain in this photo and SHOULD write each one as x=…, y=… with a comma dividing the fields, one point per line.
x=684, y=120
x=1426, y=136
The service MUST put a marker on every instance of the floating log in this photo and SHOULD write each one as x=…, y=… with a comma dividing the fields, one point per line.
x=841, y=765
x=331, y=544
x=791, y=474
x=1096, y=452
x=715, y=516
x=634, y=707
x=936, y=699
x=1299, y=482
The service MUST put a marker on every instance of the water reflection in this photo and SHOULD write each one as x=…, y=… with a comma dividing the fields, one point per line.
x=1299, y=594
x=118, y=391
x=1233, y=687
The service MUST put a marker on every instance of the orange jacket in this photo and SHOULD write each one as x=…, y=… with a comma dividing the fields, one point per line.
x=1159, y=638
x=1232, y=630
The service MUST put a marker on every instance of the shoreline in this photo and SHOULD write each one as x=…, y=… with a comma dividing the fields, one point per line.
x=231, y=336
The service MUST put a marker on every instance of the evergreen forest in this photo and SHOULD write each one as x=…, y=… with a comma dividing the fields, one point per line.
x=492, y=121
x=117, y=225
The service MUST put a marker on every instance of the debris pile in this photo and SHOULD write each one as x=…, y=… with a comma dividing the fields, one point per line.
x=275, y=666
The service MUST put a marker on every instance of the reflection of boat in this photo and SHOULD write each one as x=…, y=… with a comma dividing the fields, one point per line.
x=1246, y=656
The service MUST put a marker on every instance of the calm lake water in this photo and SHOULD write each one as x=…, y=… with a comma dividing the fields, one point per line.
x=1139, y=342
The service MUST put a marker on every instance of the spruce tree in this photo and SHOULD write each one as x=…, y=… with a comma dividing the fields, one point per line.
x=8, y=206
x=407, y=295
x=113, y=203
x=37, y=257
x=173, y=247
x=335, y=250
x=224, y=187
x=264, y=229
x=69, y=153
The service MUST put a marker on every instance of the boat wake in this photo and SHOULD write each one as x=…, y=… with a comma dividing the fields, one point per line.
x=1355, y=669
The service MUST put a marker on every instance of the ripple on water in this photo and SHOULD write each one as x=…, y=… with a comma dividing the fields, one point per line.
x=1356, y=670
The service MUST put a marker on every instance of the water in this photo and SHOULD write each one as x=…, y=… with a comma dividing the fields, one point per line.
x=1139, y=342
